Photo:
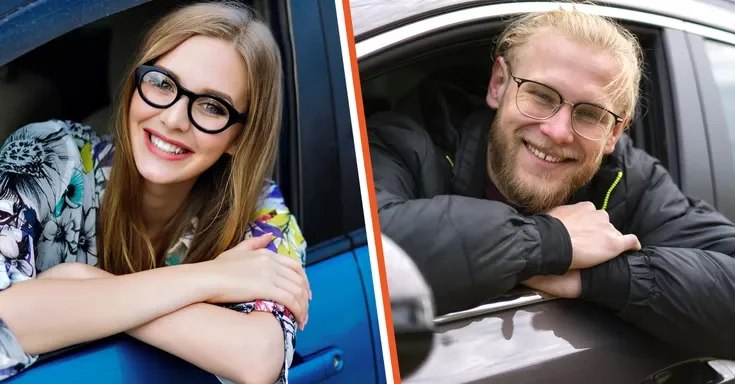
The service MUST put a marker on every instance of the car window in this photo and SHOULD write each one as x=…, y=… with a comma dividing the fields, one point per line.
x=722, y=58
x=463, y=59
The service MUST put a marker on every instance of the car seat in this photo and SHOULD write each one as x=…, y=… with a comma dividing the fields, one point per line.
x=26, y=98
x=127, y=30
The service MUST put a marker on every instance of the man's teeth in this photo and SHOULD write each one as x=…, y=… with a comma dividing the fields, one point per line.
x=164, y=146
x=542, y=155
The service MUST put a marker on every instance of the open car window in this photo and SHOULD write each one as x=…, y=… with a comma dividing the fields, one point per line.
x=460, y=53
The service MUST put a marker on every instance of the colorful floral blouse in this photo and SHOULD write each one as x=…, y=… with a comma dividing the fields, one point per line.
x=52, y=179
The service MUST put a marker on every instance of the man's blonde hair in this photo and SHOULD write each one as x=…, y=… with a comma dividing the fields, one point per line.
x=595, y=31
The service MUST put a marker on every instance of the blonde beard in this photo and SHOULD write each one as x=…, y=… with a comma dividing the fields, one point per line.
x=502, y=169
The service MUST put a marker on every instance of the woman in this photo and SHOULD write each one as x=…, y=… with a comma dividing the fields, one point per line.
x=181, y=186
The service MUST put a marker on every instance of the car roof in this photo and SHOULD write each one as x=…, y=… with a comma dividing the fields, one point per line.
x=370, y=17
x=27, y=24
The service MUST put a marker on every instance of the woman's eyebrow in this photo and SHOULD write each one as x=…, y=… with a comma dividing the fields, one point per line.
x=219, y=94
x=210, y=91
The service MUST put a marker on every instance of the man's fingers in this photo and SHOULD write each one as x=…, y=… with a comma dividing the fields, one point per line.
x=631, y=243
x=254, y=243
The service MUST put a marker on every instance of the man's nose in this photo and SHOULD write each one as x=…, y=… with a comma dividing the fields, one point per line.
x=559, y=126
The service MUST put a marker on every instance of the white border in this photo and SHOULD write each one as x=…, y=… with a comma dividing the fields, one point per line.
x=367, y=213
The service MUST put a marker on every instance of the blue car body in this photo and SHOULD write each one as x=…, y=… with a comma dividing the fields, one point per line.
x=342, y=340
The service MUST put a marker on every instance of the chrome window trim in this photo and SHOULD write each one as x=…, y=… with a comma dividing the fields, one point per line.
x=517, y=298
x=395, y=36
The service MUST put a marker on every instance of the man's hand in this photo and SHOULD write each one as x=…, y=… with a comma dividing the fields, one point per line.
x=568, y=285
x=594, y=239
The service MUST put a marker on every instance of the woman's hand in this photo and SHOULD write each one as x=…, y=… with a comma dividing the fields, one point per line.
x=248, y=272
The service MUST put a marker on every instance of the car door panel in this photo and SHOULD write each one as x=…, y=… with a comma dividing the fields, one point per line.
x=119, y=359
x=362, y=255
x=547, y=342
x=337, y=322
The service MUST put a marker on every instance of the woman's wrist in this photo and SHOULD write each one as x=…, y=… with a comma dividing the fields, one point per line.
x=190, y=276
x=196, y=278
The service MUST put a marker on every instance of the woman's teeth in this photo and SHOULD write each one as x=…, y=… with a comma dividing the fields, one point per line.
x=166, y=147
x=542, y=155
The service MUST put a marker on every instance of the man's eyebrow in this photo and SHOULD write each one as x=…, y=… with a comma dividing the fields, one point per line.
x=210, y=91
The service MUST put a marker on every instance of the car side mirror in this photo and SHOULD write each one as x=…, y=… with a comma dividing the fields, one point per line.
x=412, y=308
x=695, y=371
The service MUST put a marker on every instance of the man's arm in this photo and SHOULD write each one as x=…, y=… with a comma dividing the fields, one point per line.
x=681, y=286
x=468, y=249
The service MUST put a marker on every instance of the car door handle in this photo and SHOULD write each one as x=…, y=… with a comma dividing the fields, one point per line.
x=695, y=371
x=318, y=367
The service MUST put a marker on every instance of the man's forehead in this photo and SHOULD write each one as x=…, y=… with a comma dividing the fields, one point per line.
x=578, y=71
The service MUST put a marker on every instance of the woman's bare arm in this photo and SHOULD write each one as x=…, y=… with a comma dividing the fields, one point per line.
x=244, y=348
x=49, y=314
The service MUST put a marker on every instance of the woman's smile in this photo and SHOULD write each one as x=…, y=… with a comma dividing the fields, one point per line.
x=165, y=148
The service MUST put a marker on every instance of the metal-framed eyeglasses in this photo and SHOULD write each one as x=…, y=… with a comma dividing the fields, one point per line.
x=540, y=102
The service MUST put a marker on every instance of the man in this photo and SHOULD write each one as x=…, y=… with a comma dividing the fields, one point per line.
x=543, y=188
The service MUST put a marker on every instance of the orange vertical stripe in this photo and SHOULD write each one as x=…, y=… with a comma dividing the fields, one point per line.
x=371, y=189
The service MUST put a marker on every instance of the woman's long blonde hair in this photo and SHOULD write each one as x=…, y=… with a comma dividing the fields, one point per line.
x=232, y=186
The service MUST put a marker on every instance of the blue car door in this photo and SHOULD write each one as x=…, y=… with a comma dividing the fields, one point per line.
x=341, y=341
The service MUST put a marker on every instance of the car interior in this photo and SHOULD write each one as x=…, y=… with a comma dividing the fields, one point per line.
x=77, y=75
x=45, y=83
x=463, y=56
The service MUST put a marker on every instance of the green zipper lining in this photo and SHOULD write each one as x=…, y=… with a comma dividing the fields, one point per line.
x=609, y=191
x=450, y=160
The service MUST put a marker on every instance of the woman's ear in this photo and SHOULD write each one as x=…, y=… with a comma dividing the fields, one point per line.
x=231, y=149
x=498, y=83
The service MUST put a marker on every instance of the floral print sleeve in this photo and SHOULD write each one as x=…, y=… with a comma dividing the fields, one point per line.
x=273, y=217
x=44, y=169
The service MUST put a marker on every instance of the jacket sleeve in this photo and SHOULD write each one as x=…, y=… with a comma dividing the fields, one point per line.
x=468, y=249
x=681, y=286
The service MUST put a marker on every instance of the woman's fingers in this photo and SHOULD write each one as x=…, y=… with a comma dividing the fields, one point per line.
x=300, y=281
x=290, y=299
x=254, y=243
x=297, y=290
x=294, y=266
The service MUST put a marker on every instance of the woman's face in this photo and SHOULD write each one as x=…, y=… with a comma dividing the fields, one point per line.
x=167, y=147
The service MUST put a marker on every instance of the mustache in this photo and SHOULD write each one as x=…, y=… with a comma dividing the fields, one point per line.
x=550, y=149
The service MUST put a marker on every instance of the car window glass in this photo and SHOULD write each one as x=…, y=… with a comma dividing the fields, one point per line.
x=722, y=58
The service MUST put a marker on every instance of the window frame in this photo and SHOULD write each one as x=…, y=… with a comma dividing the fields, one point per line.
x=717, y=128
x=329, y=209
x=679, y=113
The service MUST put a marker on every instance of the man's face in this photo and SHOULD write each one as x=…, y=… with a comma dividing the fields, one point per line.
x=540, y=163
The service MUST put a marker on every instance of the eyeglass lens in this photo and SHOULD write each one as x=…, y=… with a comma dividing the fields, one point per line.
x=541, y=102
x=160, y=90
